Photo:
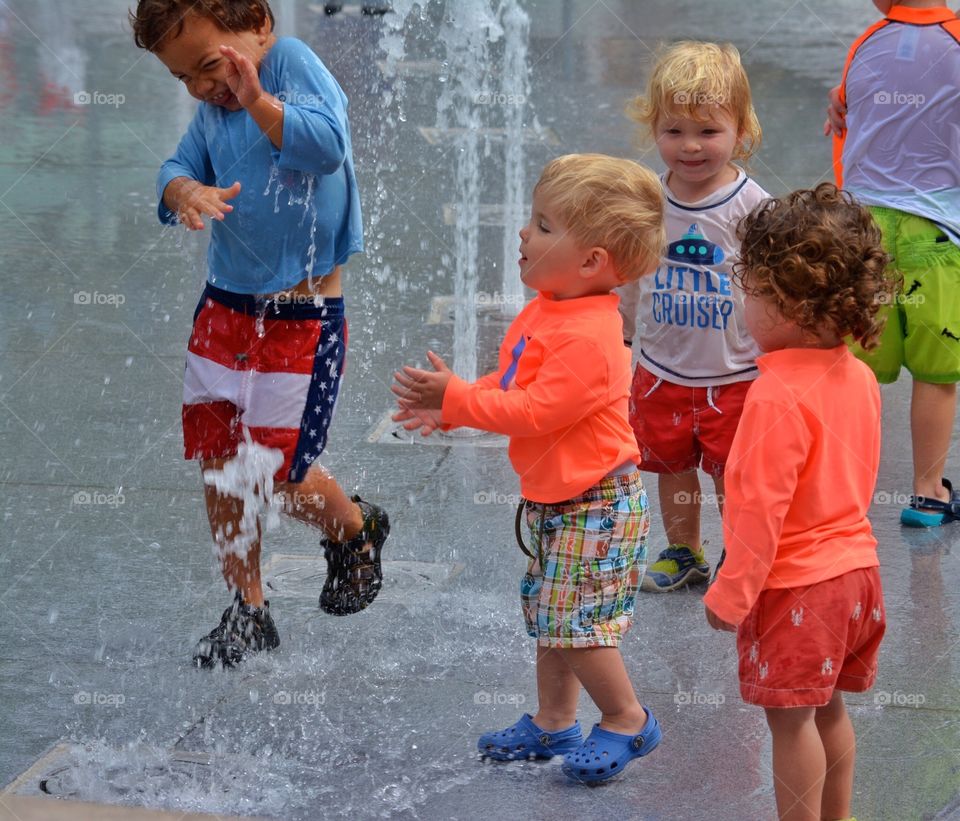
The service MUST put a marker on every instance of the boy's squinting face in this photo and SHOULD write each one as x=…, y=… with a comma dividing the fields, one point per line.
x=194, y=57
x=550, y=257
x=697, y=151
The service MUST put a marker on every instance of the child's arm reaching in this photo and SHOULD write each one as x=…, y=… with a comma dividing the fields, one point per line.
x=185, y=183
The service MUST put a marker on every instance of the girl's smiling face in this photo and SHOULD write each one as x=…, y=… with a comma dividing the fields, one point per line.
x=698, y=151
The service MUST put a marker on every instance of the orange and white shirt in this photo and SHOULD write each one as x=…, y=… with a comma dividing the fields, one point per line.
x=560, y=393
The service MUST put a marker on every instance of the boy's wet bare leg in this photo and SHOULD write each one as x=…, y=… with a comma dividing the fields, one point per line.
x=558, y=691
x=319, y=501
x=840, y=747
x=799, y=762
x=603, y=675
x=932, y=411
x=680, y=507
x=225, y=514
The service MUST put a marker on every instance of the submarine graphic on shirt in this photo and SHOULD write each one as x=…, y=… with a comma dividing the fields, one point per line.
x=693, y=248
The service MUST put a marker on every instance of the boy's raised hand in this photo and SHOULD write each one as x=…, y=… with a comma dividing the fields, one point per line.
x=242, y=77
x=418, y=389
x=191, y=201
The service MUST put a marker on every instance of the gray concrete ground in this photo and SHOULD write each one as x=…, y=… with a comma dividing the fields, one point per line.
x=106, y=575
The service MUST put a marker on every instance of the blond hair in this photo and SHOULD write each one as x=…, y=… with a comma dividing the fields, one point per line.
x=690, y=75
x=610, y=203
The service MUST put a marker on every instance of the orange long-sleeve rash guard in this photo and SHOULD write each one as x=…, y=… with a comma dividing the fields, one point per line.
x=799, y=478
x=560, y=393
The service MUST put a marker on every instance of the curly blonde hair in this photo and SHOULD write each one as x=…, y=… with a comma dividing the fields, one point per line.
x=816, y=254
x=611, y=203
x=691, y=75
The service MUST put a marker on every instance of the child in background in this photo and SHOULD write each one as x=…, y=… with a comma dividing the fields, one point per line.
x=269, y=338
x=560, y=393
x=900, y=89
x=800, y=583
x=696, y=358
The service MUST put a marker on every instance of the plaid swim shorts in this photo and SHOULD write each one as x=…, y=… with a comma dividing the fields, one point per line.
x=591, y=552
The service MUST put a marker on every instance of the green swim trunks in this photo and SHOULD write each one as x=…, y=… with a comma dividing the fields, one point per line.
x=923, y=322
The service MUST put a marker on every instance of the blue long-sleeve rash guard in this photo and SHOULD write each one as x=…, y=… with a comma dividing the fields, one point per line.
x=298, y=211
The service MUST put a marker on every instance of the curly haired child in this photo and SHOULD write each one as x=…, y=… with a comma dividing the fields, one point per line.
x=800, y=584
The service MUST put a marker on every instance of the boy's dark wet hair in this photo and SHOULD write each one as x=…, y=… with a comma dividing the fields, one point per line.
x=817, y=256
x=156, y=21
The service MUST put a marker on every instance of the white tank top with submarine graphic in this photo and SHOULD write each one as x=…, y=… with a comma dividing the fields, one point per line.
x=686, y=318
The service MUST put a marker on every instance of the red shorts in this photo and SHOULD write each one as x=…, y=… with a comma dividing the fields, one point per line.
x=265, y=369
x=679, y=428
x=799, y=644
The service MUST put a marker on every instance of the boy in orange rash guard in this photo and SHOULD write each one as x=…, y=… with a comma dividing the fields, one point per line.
x=560, y=393
x=800, y=583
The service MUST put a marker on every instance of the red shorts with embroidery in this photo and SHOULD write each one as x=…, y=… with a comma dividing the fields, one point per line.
x=267, y=369
x=799, y=644
x=680, y=428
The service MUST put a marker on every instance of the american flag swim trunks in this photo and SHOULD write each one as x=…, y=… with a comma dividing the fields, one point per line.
x=269, y=368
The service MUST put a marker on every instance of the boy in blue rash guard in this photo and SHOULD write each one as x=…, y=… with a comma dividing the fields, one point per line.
x=268, y=159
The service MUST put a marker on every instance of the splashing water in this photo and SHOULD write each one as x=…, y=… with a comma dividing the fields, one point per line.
x=249, y=478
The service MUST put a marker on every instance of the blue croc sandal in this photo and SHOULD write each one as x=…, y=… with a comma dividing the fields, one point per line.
x=526, y=740
x=605, y=754
x=927, y=512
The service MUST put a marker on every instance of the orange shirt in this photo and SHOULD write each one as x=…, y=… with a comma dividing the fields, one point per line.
x=799, y=478
x=560, y=393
